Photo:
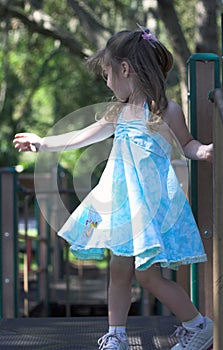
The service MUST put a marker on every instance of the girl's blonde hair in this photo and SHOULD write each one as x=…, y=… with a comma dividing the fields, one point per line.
x=150, y=61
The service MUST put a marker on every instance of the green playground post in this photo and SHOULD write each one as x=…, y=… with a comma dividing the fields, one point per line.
x=193, y=125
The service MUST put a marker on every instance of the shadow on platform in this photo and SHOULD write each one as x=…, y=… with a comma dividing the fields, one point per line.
x=82, y=333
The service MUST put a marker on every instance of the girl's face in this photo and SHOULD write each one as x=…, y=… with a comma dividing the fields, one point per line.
x=118, y=82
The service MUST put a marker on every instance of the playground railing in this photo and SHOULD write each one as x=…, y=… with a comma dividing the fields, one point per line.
x=17, y=250
x=33, y=248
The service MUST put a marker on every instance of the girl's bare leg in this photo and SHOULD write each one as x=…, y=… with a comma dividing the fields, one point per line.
x=119, y=293
x=167, y=292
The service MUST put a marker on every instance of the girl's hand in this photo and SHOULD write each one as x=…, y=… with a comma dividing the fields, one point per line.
x=208, y=152
x=198, y=151
x=27, y=142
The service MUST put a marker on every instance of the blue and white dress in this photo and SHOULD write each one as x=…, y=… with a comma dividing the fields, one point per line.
x=138, y=207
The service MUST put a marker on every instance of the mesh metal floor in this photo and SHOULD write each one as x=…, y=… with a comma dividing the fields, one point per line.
x=82, y=333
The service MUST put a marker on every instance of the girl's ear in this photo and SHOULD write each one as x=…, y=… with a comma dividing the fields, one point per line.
x=125, y=69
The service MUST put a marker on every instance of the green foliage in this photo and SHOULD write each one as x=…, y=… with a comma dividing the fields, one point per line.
x=44, y=83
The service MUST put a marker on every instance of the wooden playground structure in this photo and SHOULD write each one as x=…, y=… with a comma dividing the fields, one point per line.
x=204, y=282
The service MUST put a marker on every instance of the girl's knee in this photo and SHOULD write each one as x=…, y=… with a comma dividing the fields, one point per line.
x=143, y=279
x=149, y=278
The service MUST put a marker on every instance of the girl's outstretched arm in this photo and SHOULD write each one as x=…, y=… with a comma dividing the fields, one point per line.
x=76, y=139
x=193, y=149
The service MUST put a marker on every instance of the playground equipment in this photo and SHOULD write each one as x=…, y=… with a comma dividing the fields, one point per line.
x=203, y=75
x=216, y=96
x=206, y=189
x=9, y=249
x=8, y=244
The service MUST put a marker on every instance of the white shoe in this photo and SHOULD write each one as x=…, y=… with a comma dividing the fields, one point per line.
x=113, y=341
x=195, y=338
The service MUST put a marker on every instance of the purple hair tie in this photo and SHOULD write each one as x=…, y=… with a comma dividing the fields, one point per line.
x=147, y=35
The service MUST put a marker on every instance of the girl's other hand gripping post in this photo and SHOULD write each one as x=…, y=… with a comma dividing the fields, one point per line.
x=25, y=142
x=208, y=152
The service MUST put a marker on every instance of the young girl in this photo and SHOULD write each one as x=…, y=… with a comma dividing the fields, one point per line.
x=138, y=210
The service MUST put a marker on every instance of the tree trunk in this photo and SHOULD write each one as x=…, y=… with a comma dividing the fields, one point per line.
x=206, y=36
x=181, y=51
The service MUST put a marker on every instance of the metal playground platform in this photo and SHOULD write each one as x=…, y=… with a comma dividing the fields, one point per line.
x=82, y=333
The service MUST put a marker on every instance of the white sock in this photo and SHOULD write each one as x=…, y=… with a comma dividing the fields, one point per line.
x=197, y=322
x=117, y=329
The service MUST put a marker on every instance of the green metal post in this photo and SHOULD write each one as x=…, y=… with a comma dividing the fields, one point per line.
x=193, y=103
x=193, y=171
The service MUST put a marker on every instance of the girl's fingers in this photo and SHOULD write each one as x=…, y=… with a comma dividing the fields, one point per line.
x=25, y=146
x=23, y=134
x=19, y=139
x=26, y=142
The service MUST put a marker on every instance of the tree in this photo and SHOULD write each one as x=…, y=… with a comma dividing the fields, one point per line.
x=205, y=32
x=178, y=41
